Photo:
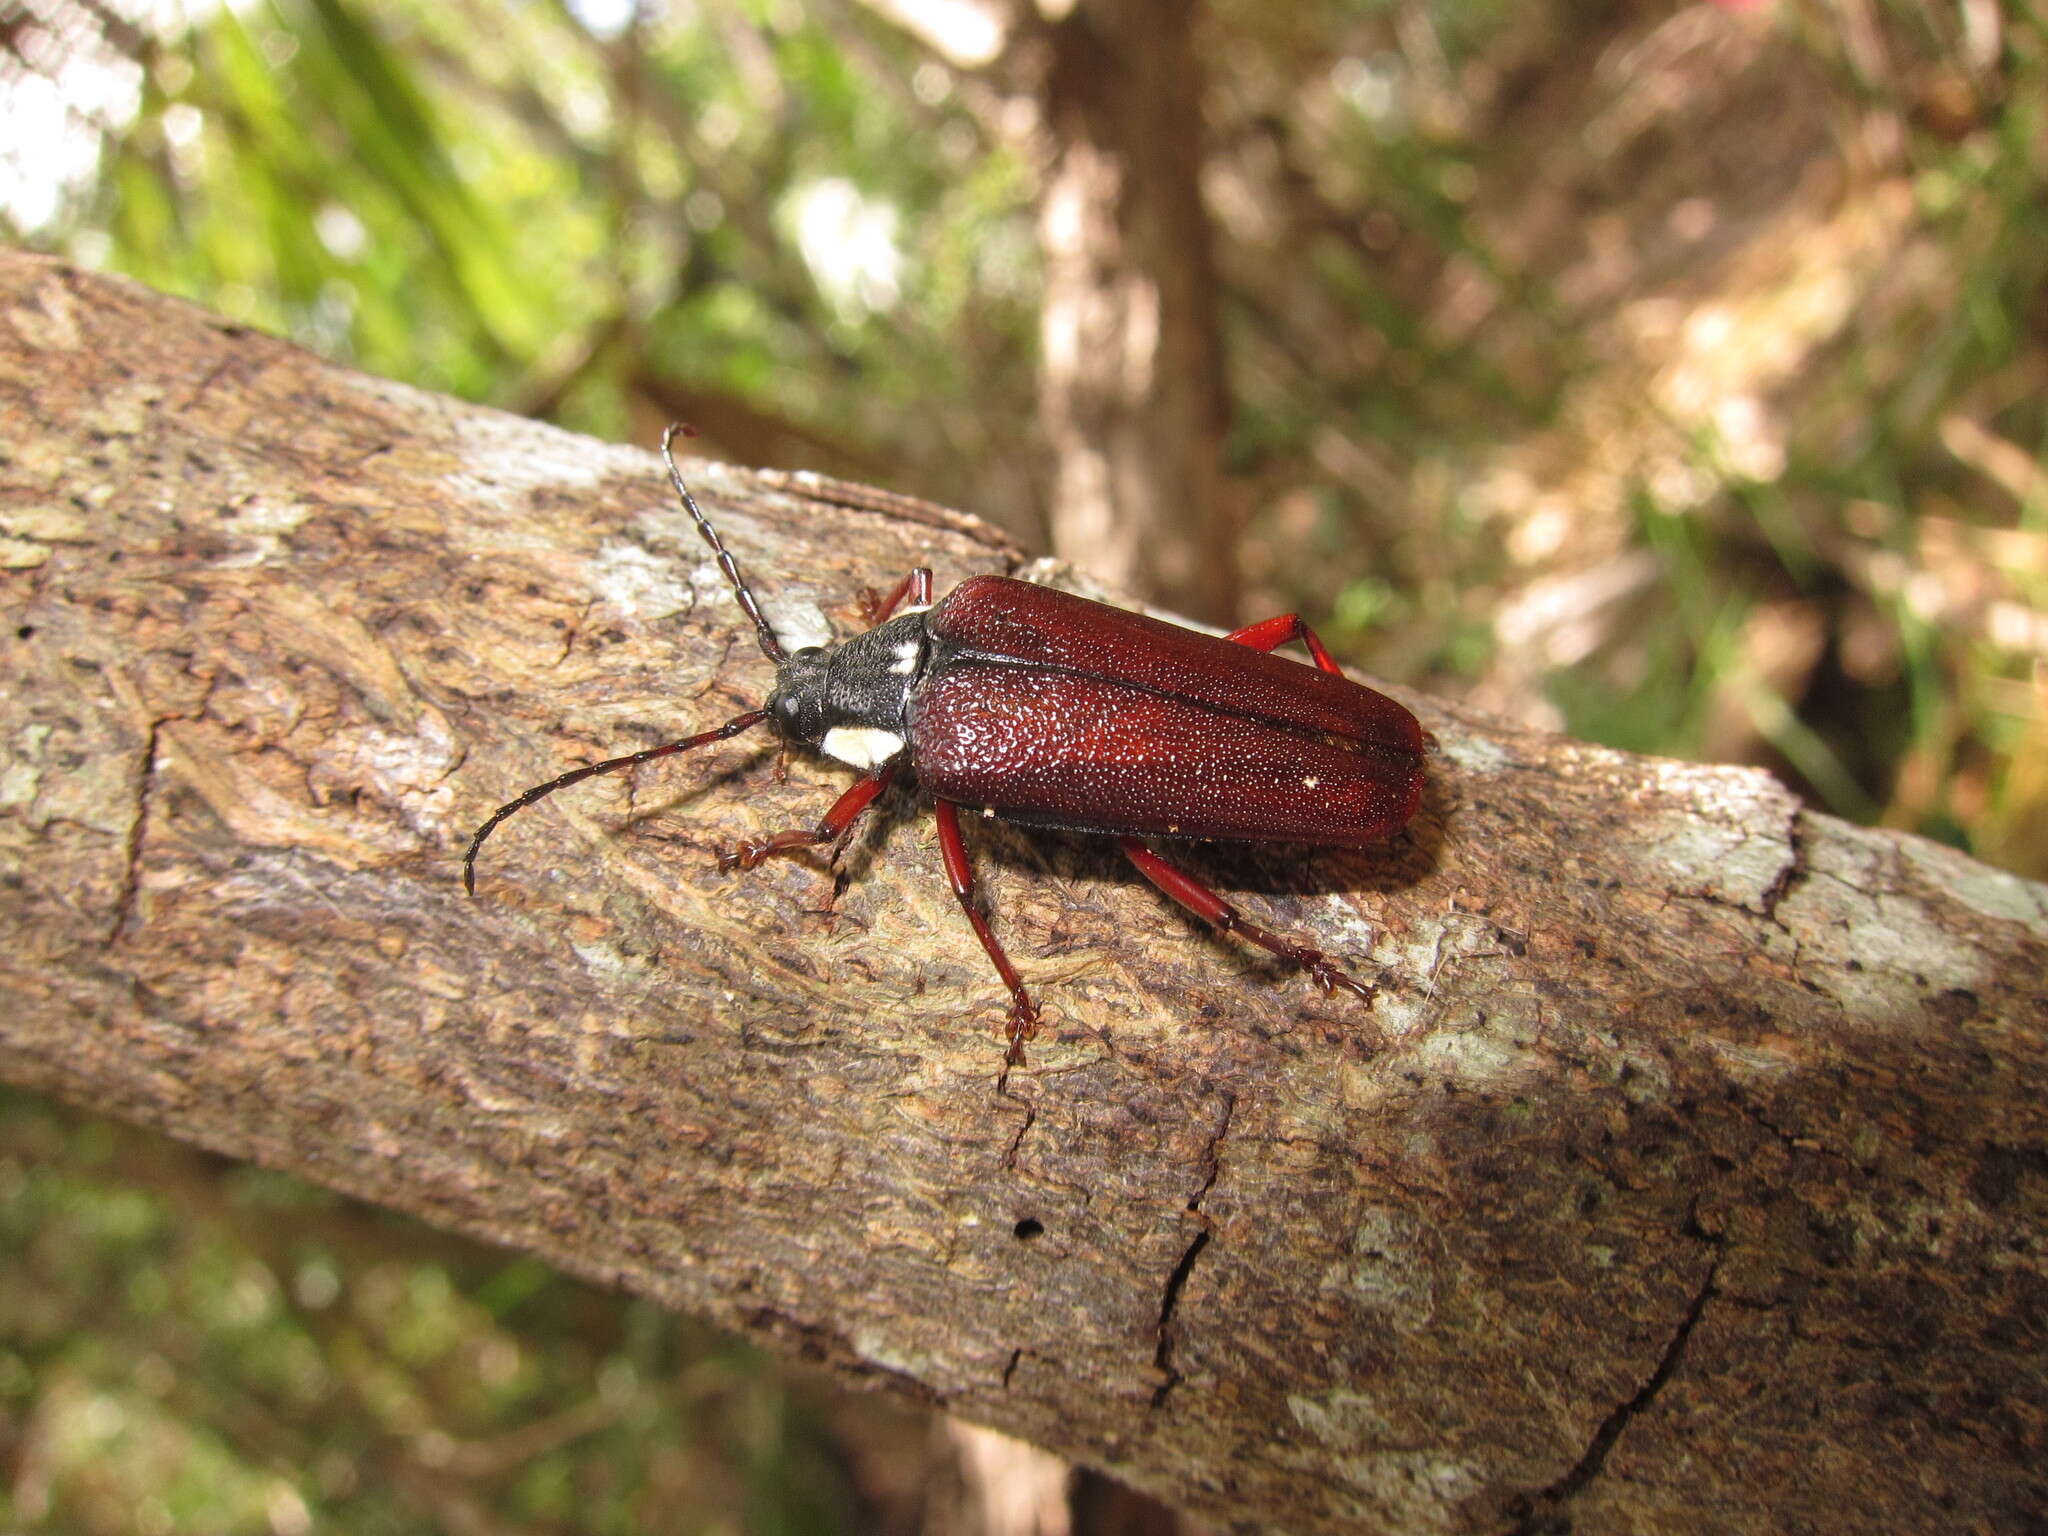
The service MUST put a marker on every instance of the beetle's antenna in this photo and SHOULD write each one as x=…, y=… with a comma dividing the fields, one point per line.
x=771, y=646
x=731, y=728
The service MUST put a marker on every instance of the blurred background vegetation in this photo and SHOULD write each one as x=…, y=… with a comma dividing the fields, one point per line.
x=1670, y=374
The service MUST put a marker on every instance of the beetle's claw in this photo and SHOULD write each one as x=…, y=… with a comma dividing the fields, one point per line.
x=1329, y=976
x=744, y=856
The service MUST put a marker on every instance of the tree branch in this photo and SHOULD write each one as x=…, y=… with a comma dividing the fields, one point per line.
x=1692, y=1155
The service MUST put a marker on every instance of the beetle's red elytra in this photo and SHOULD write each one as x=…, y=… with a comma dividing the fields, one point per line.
x=1039, y=707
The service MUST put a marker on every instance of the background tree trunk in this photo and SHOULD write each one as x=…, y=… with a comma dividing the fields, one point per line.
x=1131, y=374
x=1689, y=1168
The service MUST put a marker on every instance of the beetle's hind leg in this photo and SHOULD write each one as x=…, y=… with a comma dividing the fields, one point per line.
x=1207, y=905
x=960, y=875
x=1271, y=634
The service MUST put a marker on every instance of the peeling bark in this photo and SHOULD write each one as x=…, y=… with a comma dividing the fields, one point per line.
x=1688, y=1170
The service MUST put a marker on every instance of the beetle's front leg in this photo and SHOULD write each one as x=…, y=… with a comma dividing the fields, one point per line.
x=1207, y=905
x=1023, y=1022
x=875, y=608
x=845, y=812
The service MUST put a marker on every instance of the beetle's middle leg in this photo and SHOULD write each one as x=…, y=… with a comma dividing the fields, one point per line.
x=846, y=810
x=1207, y=905
x=876, y=607
x=960, y=875
x=1271, y=634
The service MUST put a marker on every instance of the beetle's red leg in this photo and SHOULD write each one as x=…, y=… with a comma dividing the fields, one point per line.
x=953, y=849
x=1207, y=905
x=844, y=813
x=1271, y=634
x=917, y=586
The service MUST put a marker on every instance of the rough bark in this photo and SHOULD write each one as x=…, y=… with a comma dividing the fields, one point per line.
x=1687, y=1172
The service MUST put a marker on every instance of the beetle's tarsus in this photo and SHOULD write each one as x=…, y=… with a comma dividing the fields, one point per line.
x=1328, y=975
x=1022, y=1026
x=753, y=855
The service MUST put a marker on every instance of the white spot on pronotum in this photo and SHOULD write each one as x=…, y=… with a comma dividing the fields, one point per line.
x=861, y=746
x=987, y=811
x=1172, y=827
x=1310, y=783
x=906, y=659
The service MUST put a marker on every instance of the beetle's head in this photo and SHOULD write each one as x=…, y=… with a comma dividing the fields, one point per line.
x=797, y=706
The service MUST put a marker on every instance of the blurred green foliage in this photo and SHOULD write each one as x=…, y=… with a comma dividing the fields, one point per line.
x=191, y=1346
x=496, y=202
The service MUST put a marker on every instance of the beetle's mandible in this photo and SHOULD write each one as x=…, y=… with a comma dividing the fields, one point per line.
x=1043, y=708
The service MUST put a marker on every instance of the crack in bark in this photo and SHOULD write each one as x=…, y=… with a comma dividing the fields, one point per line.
x=1793, y=869
x=1543, y=1513
x=1790, y=875
x=131, y=845
x=1792, y=1142
x=1162, y=1355
x=1008, y=1161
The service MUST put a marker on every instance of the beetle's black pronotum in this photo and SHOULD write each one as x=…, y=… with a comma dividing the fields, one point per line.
x=1039, y=707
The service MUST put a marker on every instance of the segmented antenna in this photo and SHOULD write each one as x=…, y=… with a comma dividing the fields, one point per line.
x=724, y=732
x=770, y=646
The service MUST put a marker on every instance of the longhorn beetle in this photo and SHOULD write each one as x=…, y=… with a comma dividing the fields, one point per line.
x=1044, y=708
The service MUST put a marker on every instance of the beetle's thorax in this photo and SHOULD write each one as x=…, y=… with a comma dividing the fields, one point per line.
x=850, y=700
